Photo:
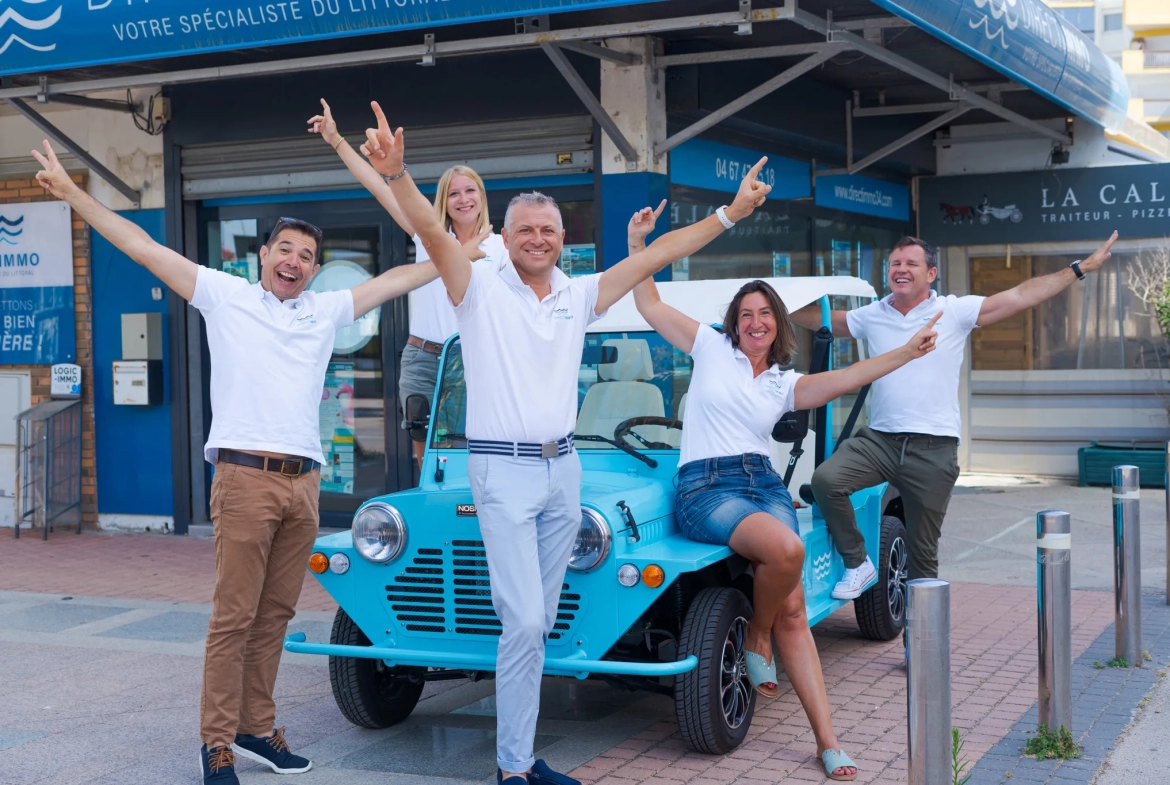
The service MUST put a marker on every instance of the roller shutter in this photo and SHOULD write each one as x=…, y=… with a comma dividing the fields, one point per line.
x=513, y=148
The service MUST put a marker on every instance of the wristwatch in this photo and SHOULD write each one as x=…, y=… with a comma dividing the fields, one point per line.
x=1076, y=268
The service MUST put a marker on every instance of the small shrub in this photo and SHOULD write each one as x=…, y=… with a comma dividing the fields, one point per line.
x=1052, y=744
x=958, y=763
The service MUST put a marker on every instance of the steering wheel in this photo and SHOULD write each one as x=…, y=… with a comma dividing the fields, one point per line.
x=625, y=428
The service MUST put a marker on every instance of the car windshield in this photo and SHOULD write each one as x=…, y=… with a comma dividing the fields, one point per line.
x=622, y=375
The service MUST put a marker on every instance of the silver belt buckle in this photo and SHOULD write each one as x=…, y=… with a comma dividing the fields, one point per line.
x=550, y=450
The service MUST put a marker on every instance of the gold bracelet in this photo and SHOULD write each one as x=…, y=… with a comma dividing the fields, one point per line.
x=339, y=141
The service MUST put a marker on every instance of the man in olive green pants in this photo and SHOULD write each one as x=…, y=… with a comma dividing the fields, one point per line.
x=913, y=435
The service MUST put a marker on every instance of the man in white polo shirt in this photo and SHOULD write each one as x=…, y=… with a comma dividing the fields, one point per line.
x=270, y=344
x=523, y=329
x=914, y=427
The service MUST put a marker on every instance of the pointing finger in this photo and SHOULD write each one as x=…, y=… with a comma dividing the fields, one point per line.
x=41, y=160
x=755, y=170
x=661, y=207
x=934, y=319
x=383, y=124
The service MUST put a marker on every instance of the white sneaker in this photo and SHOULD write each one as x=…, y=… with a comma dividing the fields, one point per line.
x=853, y=582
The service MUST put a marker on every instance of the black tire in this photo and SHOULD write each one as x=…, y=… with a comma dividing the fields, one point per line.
x=881, y=610
x=368, y=693
x=714, y=631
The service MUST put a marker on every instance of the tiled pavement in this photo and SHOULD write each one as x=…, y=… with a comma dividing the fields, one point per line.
x=993, y=660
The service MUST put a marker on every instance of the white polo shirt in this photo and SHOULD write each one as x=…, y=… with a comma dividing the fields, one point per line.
x=268, y=362
x=432, y=317
x=923, y=395
x=521, y=355
x=729, y=410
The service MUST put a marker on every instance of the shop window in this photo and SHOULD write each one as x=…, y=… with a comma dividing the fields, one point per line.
x=1097, y=324
x=1081, y=18
x=579, y=254
x=769, y=244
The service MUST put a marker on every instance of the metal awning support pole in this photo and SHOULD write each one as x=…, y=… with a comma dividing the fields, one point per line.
x=957, y=92
x=590, y=100
x=602, y=53
x=901, y=142
x=748, y=98
x=40, y=122
x=753, y=53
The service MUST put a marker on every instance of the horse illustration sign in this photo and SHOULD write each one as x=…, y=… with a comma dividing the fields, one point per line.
x=1047, y=205
x=36, y=284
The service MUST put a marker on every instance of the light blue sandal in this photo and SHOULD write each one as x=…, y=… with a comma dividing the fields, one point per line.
x=761, y=674
x=837, y=759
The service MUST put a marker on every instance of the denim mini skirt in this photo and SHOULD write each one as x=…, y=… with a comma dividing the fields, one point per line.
x=716, y=494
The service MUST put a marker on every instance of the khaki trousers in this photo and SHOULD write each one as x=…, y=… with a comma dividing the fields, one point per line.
x=265, y=525
x=922, y=468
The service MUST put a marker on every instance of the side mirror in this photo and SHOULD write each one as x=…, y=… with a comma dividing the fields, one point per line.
x=792, y=427
x=418, y=417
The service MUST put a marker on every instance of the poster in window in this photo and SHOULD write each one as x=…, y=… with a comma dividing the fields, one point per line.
x=337, y=442
x=579, y=259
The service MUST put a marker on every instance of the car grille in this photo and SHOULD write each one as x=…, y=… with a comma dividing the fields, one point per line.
x=447, y=590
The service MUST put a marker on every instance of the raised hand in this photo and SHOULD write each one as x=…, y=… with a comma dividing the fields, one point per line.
x=323, y=124
x=751, y=193
x=474, y=252
x=383, y=146
x=923, y=341
x=53, y=177
x=642, y=224
x=1100, y=256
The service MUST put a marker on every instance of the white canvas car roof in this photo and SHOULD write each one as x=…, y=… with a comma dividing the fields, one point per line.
x=706, y=301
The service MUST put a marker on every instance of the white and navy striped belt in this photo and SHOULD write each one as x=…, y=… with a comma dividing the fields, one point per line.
x=562, y=446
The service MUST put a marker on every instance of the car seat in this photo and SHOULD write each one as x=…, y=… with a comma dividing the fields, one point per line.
x=622, y=391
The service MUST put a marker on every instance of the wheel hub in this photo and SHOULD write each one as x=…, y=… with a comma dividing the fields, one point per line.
x=896, y=578
x=734, y=687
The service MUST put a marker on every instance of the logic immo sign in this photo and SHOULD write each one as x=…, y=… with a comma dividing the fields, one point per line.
x=1049, y=205
x=36, y=284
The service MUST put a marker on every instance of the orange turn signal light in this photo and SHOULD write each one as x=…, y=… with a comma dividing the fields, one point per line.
x=318, y=563
x=653, y=575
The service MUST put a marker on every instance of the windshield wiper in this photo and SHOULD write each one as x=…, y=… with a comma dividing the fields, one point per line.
x=592, y=437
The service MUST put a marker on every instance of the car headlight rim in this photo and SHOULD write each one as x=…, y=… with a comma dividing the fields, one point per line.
x=601, y=527
x=367, y=534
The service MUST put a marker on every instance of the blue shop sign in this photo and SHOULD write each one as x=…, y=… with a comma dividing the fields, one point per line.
x=1029, y=42
x=858, y=194
x=40, y=35
x=720, y=167
x=36, y=284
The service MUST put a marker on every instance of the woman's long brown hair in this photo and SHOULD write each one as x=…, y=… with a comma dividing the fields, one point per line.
x=784, y=346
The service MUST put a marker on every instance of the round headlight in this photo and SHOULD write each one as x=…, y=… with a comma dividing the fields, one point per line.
x=592, y=545
x=379, y=532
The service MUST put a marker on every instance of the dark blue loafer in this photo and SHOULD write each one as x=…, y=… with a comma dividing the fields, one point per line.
x=218, y=766
x=541, y=774
x=272, y=751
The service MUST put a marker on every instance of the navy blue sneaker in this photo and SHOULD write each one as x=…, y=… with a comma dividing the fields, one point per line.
x=541, y=774
x=218, y=766
x=272, y=751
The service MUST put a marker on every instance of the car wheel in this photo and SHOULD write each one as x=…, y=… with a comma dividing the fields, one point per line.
x=881, y=609
x=369, y=693
x=715, y=701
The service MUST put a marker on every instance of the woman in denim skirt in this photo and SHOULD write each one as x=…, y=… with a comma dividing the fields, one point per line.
x=461, y=204
x=728, y=492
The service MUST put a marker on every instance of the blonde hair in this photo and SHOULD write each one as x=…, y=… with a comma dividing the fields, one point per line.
x=444, y=187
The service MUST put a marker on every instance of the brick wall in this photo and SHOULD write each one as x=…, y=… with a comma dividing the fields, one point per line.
x=27, y=190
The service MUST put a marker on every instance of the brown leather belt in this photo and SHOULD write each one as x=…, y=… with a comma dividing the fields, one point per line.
x=289, y=467
x=430, y=347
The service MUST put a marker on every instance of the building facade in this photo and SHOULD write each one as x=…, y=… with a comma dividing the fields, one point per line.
x=606, y=105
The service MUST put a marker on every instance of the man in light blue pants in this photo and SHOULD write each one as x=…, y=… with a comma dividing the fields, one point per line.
x=522, y=330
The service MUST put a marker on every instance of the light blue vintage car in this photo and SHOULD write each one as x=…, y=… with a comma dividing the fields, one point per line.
x=641, y=605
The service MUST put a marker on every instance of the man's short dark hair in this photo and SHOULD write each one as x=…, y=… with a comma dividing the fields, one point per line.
x=927, y=249
x=297, y=225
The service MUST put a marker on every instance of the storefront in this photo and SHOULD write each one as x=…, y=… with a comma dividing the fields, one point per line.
x=1088, y=364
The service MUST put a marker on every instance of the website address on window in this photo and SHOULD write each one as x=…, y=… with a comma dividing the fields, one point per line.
x=852, y=193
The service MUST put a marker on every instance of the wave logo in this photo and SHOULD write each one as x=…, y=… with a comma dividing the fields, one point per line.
x=999, y=10
x=11, y=18
x=821, y=566
x=10, y=230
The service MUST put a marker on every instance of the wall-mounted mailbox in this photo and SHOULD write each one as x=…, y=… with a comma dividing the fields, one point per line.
x=138, y=382
x=142, y=336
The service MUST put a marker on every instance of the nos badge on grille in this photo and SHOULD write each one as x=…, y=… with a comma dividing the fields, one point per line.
x=465, y=510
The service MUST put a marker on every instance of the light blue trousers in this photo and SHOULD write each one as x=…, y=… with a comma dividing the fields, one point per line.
x=529, y=511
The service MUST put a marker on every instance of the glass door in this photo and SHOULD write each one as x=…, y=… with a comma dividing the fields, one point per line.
x=366, y=454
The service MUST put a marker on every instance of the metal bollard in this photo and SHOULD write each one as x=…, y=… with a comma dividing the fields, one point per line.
x=1166, y=478
x=928, y=680
x=1054, y=598
x=1127, y=565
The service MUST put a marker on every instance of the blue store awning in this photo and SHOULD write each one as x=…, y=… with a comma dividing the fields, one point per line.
x=1030, y=43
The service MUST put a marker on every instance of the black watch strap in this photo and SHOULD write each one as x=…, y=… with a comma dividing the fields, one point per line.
x=1076, y=268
